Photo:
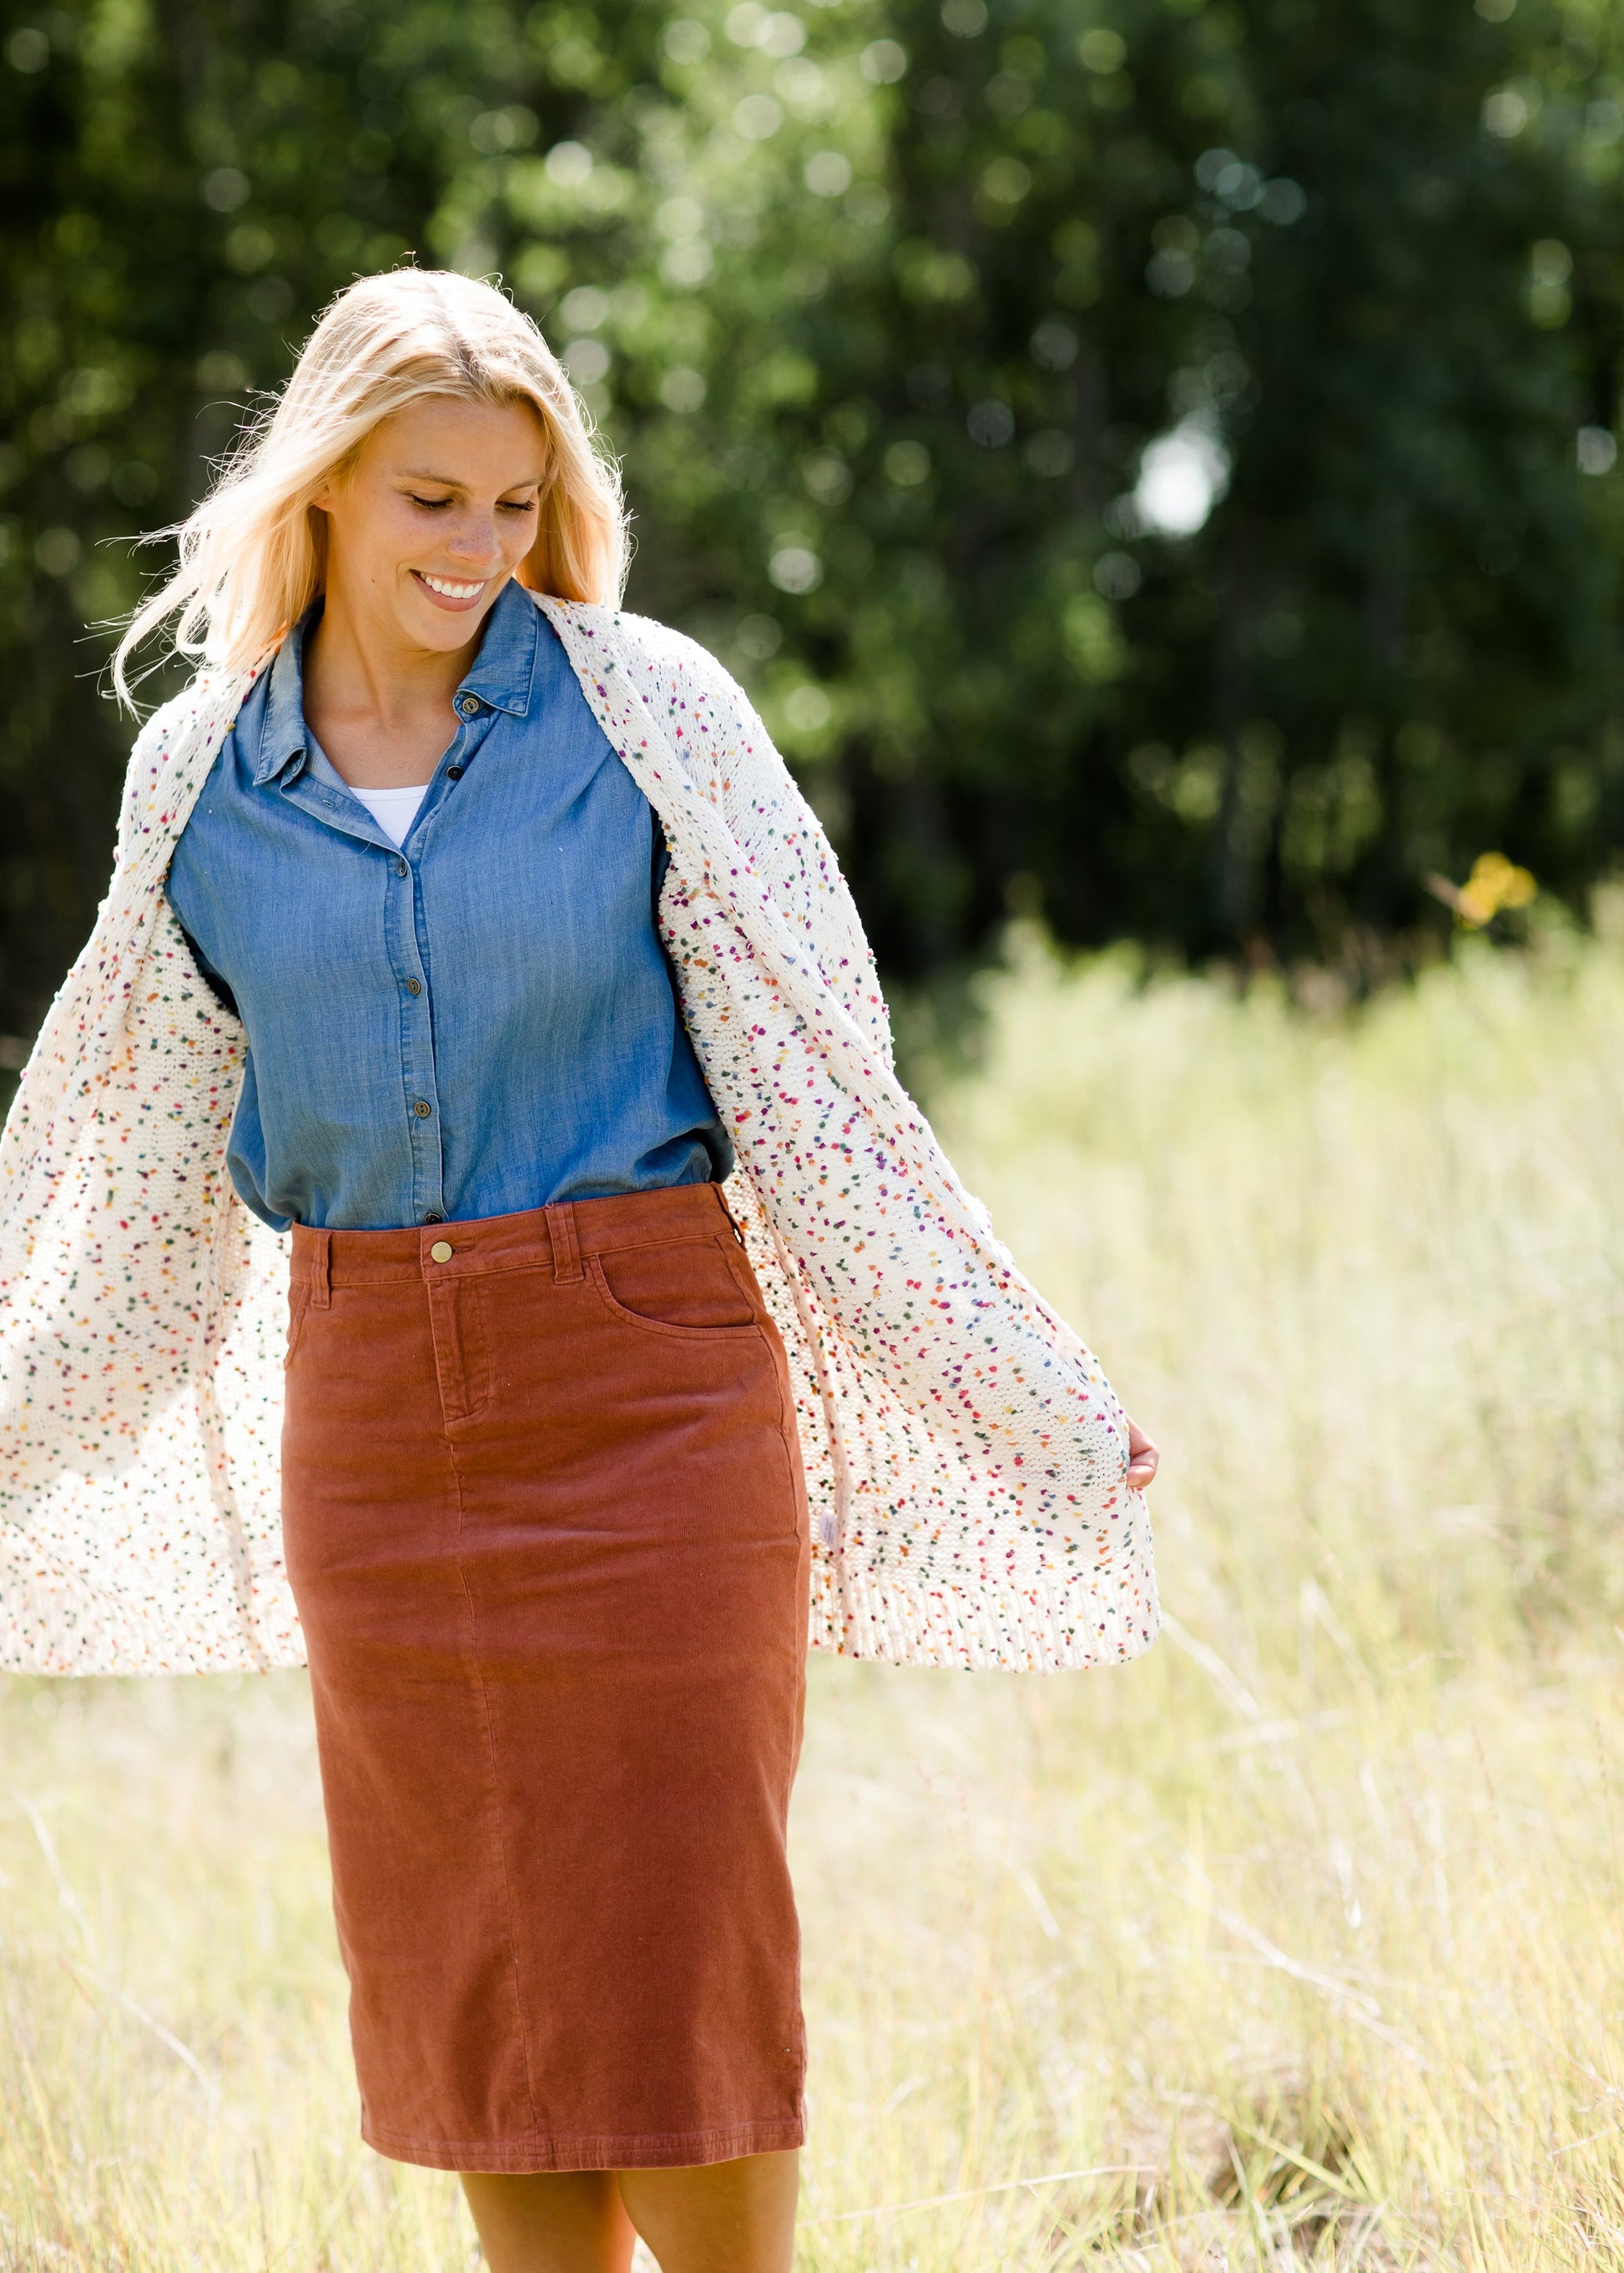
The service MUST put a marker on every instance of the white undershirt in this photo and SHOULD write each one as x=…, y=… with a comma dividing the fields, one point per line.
x=393, y=809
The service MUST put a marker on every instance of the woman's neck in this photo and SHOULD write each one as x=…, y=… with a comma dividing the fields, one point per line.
x=358, y=665
x=381, y=709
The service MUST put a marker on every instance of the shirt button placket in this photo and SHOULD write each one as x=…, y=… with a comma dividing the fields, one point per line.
x=416, y=1062
x=428, y=1168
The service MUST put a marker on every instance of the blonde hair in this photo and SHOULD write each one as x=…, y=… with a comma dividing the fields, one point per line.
x=253, y=554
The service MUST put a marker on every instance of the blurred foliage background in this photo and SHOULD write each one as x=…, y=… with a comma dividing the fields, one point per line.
x=1153, y=460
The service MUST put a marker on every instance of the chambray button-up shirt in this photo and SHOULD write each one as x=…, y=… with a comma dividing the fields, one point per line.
x=479, y=1022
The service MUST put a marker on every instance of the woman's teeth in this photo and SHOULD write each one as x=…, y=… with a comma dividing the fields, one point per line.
x=448, y=590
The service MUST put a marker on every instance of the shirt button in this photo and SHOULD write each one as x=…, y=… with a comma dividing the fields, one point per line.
x=455, y=773
x=441, y=1252
x=400, y=868
x=423, y=1108
x=434, y=1216
x=414, y=986
x=469, y=706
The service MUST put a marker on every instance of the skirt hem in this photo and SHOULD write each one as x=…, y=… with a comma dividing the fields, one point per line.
x=536, y=2157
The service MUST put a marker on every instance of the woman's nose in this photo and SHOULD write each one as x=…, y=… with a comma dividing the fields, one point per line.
x=474, y=540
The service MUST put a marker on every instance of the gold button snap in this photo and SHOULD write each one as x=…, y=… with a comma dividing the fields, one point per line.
x=441, y=1252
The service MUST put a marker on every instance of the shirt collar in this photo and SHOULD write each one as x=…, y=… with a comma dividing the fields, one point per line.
x=504, y=670
x=502, y=678
x=282, y=721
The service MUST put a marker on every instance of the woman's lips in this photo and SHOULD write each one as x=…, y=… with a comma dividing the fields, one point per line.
x=457, y=593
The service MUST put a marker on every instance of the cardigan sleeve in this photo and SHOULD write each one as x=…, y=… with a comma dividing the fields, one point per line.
x=141, y=775
x=147, y=778
x=744, y=774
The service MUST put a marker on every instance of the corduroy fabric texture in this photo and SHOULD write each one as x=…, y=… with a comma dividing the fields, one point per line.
x=547, y=1533
x=964, y=1454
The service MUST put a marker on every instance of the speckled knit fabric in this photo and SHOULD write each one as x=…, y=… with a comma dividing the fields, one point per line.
x=965, y=1455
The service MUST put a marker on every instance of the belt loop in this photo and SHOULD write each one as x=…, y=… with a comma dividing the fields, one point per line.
x=566, y=1247
x=322, y=1273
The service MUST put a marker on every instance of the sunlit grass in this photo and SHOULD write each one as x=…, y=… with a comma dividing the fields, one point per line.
x=1300, y=1940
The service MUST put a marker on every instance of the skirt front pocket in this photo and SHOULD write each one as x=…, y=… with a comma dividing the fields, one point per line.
x=679, y=1287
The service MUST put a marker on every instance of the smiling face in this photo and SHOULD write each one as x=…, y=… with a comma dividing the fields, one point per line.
x=431, y=521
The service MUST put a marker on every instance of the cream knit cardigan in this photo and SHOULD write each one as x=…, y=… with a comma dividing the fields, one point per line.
x=965, y=1458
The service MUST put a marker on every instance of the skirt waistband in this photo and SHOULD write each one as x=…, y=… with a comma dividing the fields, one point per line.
x=555, y=1237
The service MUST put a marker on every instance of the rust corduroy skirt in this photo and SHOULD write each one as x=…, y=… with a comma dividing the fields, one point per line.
x=546, y=1529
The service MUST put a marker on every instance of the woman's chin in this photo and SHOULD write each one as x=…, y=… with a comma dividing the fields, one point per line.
x=441, y=624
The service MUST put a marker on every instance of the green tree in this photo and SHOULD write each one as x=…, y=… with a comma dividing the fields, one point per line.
x=1316, y=265
x=1151, y=461
x=188, y=182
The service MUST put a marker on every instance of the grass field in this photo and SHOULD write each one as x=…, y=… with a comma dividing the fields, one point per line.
x=1296, y=1943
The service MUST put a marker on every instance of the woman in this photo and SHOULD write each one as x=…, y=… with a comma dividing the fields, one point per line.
x=471, y=933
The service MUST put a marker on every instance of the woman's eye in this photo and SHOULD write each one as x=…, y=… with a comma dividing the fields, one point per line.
x=515, y=504
x=429, y=505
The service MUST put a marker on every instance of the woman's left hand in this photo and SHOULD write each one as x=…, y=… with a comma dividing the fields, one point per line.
x=1142, y=1458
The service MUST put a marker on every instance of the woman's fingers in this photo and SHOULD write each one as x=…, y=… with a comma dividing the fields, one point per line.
x=1142, y=1458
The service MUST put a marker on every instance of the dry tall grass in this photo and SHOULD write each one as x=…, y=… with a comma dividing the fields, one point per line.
x=1296, y=1943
